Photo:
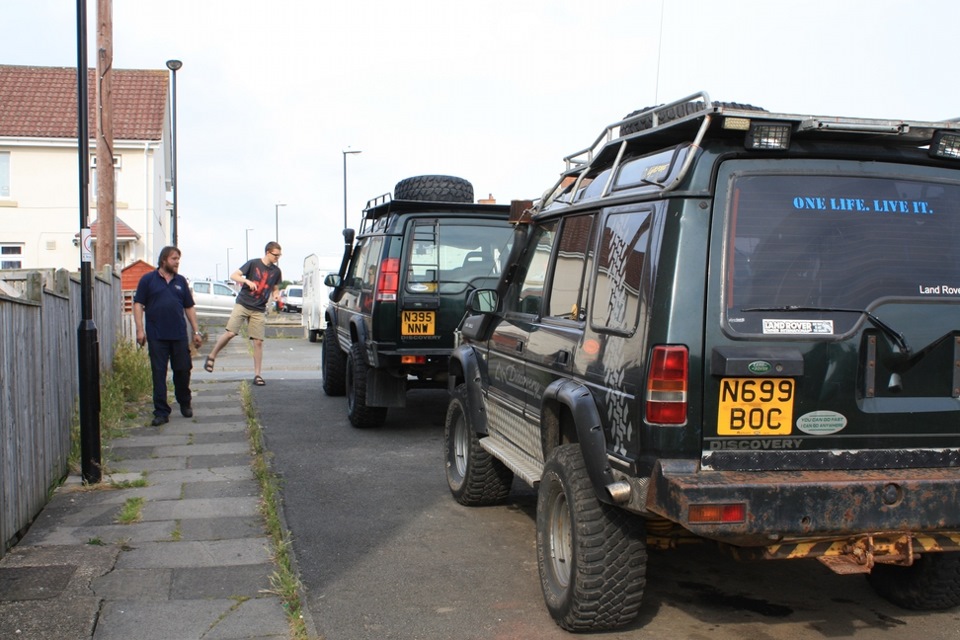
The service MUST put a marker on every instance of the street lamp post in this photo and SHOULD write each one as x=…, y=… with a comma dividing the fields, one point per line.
x=174, y=65
x=226, y=271
x=276, y=214
x=248, y=243
x=346, y=152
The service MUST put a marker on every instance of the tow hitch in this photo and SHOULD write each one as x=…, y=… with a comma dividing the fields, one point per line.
x=860, y=554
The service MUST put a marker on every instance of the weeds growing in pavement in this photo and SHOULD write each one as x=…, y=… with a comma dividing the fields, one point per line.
x=130, y=512
x=123, y=392
x=285, y=581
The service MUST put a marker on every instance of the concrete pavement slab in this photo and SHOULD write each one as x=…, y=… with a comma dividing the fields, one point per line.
x=200, y=508
x=212, y=553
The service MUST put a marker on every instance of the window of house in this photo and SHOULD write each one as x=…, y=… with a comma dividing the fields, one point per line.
x=4, y=174
x=93, y=175
x=11, y=256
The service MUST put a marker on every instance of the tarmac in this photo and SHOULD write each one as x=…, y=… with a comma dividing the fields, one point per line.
x=198, y=562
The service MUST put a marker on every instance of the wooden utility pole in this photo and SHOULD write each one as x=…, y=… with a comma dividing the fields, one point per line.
x=106, y=182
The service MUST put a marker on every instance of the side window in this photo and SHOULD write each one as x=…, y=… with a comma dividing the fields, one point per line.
x=201, y=287
x=566, y=283
x=222, y=290
x=358, y=276
x=526, y=295
x=620, y=256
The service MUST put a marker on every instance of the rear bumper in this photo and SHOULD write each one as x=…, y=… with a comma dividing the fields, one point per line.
x=809, y=505
x=391, y=359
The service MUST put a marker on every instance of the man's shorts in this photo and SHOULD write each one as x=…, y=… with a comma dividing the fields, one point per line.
x=255, y=321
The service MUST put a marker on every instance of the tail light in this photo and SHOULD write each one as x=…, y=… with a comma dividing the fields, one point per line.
x=388, y=282
x=667, y=385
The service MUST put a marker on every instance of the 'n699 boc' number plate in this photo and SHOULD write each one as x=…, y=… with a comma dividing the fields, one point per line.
x=755, y=407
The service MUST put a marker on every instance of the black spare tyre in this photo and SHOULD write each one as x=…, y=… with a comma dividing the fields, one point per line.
x=434, y=189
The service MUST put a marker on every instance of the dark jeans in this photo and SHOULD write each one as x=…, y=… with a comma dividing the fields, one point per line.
x=177, y=353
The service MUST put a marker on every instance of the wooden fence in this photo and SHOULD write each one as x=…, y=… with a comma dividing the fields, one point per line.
x=39, y=382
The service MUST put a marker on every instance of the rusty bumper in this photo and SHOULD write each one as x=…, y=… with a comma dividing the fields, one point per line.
x=797, y=506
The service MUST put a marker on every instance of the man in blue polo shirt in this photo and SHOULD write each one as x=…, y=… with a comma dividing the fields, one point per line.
x=166, y=297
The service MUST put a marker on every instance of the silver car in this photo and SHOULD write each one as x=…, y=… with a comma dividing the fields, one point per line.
x=213, y=298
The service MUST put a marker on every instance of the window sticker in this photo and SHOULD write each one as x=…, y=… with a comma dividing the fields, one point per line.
x=797, y=327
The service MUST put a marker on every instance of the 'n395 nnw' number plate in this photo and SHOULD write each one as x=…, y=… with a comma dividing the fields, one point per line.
x=755, y=407
x=417, y=323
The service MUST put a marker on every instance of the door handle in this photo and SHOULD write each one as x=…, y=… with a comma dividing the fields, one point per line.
x=519, y=346
x=563, y=358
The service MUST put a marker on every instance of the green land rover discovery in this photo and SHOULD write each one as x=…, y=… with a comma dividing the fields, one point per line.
x=402, y=288
x=728, y=325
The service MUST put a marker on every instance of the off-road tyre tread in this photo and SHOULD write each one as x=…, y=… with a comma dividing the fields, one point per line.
x=333, y=363
x=486, y=481
x=931, y=583
x=674, y=113
x=361, y=416
x=434, y=189
x=609, y=551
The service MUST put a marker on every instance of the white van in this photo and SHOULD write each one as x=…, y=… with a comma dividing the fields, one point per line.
x=316, y=295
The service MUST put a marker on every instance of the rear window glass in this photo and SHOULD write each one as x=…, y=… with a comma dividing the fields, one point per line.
x=449, y=255
x=835, y=241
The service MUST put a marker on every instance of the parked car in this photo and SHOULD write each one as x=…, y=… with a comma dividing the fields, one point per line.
x=292, y=299
x=730, y=325
x=402, y=290
x=213, y=298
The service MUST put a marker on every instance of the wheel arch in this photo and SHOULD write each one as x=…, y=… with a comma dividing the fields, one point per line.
x=464, y=368
x=568, y=410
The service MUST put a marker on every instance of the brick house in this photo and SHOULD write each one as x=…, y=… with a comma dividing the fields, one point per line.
x=39, y=176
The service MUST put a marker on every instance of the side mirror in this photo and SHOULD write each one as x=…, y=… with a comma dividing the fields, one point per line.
x=348, y=236
x=483, y=301
x=332, y=280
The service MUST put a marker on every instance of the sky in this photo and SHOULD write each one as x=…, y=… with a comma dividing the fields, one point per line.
x=495, y=91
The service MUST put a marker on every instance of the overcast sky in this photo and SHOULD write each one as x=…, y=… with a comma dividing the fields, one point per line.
x=495, y=91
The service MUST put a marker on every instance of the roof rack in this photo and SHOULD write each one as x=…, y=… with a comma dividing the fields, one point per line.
x=688, y=121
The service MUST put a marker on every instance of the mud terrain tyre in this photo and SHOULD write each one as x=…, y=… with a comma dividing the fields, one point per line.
x=592, y=557
x=474, y=476
x=931, y=583
x=434, y=189
x=333, y=364
x=361, y=416
x=674, y=113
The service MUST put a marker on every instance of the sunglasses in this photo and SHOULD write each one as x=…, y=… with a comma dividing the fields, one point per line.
x=275, y=255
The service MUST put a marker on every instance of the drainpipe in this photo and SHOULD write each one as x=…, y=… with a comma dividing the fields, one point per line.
x=146, y=202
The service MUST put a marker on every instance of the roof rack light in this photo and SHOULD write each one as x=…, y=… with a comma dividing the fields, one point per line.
x=946, y=144
x=768, y=135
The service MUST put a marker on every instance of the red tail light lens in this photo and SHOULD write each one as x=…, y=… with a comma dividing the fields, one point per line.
x=667, y=385
x=388, y=281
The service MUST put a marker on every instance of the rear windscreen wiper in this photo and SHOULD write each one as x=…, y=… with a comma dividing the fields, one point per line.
x=889, y=331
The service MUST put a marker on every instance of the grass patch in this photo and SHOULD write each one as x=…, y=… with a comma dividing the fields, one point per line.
x=122, y=394
x=284, y=581
x=131, y=510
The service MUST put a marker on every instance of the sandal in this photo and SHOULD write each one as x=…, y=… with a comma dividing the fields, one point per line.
x=258, y=381
x=208, y=365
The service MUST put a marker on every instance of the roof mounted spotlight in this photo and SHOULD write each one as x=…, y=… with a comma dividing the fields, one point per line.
x=768, y=136
x=946, y=144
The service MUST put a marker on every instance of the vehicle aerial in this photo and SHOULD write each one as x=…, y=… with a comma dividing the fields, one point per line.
x=401, y=289
x=214, y=299
x=732, y=326
x=292, y=298
x=316, y=295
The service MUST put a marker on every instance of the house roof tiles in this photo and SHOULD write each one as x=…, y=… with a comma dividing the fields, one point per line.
x=41, y=102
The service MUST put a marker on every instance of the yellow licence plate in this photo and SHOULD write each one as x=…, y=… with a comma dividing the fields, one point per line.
x=755, y=407
x=417, y=323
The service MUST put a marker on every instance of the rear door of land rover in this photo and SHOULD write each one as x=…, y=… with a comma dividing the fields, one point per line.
x=833, y=331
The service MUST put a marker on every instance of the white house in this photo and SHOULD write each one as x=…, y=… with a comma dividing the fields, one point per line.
x=39, y=174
